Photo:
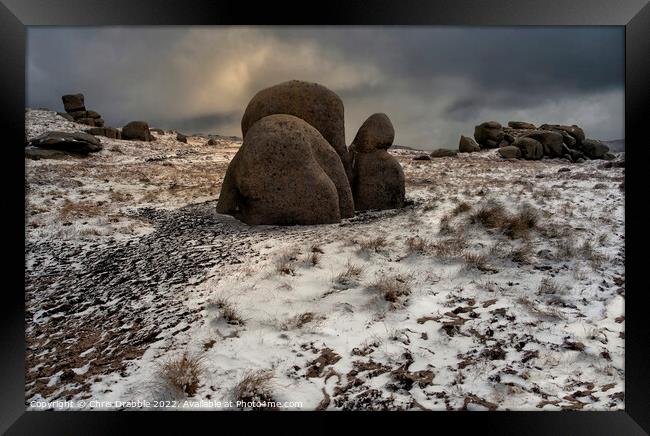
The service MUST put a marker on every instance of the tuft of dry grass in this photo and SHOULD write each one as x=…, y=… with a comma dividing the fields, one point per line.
x=372, y=244
x=313, y=258
x=181, y=375
x=300, y=320
x=417, y=245
x=229, y=311
x=461, y=208
x=521, y=254
x=284, y=264
x=492, y=215
x=392, y=288
x=548, y=287
x=477, y=261
x=349, y=277
x=449, y=248
x=445, y=226
x=254, y=389
x=535, y=309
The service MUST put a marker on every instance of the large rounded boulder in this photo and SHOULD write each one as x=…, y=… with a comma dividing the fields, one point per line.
x=550, y=140
x=594, y=149
x=489, y=134
x=531, y=149
x=574, y=131
x=521, y=125
x=311, y=102
x=285, y=173
x=137, y=131
x=376, y=133
x=467, y=145
x=510, y=152
x=378, y=178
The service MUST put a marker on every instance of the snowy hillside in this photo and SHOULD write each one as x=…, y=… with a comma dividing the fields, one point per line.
x=500, y=286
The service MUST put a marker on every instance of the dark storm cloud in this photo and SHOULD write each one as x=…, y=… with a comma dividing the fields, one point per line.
x=434, y=82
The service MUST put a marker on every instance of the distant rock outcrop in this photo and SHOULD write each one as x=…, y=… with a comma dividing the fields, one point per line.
x=109, y=132
x=443, y=152
x=181, y=138
x=467, y=145
x=488, y=134
x=77, y=143
x=378, y=178
x=521, y=125
x=547, y=140
x=137, y=131
x=510, y=152
x=75, y=107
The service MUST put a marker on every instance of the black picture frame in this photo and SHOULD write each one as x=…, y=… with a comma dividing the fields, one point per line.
x=634, y=15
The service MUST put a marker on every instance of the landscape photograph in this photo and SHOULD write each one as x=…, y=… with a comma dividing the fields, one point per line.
x=331, y=218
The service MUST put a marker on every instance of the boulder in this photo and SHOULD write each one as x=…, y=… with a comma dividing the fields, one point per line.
x=531, y=149
x=378, y=181
x=109, y=132
x=609, y=156
x=73, y=102
x=568, y=140
x=99, y=122
x=575, y=155
x=211, y=141
x=181, y=138
x=378, y=178
x=576, y=132
x=86, y=121
x=422, y=157
x=66, y=115
x=551, y=141
x=488, y=134
x=443, y=152
x=594, y=149
x=376, y=133
x=509, y=138
x=521, y=125
x=510, y=152
x=76, y=143
x=311, y=102
x=285, y=173
x=92, y=114
x=78, y=114
x=137, y=130
x=467, y=145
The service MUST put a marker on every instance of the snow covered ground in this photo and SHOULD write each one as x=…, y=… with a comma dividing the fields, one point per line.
x=501, y=286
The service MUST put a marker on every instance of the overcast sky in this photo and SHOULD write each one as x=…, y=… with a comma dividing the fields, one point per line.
x=435, y=83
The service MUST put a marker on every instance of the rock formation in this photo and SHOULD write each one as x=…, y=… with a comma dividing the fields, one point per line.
x=75, y=107
x=294, y=167
x=285, y=173
x=378, y=178
x=77, y=143
x=547, y=140
x=314, y=103
x=488, y=134
x=137, y=131
x=467, y=145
